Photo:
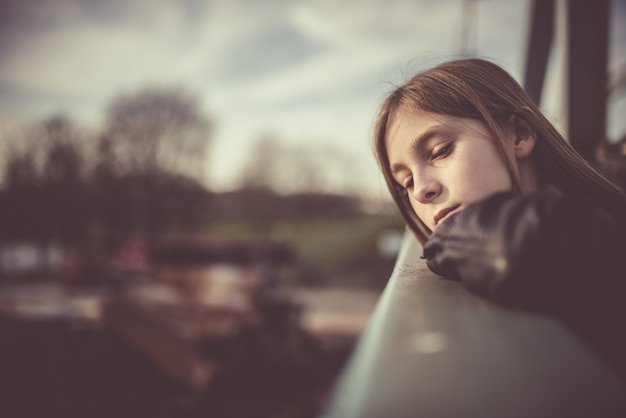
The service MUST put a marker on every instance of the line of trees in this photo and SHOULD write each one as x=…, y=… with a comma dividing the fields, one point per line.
x=139, y=176
x=301, y=168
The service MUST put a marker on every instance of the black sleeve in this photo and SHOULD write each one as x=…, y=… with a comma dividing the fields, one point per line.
x=543, y=251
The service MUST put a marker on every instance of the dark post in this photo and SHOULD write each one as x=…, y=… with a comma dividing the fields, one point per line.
x=587, y=68
x=541, y=34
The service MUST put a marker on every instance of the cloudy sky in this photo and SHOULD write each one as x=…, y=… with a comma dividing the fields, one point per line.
x=308, y=72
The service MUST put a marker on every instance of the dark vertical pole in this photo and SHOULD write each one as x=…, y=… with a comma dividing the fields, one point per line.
x=541, y=34
x=587, y=69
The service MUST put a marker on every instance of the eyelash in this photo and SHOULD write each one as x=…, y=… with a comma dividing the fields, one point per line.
x=404, y=188
x=442, y=152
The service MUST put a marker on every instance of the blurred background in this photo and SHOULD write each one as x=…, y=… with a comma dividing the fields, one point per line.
x=192, y=220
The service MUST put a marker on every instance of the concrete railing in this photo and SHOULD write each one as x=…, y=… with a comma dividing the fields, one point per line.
x=432, y=349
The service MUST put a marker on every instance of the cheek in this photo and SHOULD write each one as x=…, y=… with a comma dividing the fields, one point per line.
x=482, y=178
x=422, y=212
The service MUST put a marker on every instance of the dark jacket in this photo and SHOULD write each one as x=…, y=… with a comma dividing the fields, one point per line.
x=544, y=252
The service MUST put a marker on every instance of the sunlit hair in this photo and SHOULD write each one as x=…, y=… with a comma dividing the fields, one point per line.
x=478, y=89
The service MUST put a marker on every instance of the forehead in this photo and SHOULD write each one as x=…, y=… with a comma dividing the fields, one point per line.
x=408, y=125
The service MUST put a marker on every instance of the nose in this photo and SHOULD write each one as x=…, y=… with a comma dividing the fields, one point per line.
x=427, y=191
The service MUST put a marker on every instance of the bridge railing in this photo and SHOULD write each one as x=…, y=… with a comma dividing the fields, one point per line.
x=432, y=349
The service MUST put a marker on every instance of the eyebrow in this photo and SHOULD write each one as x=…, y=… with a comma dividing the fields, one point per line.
x=419, y=141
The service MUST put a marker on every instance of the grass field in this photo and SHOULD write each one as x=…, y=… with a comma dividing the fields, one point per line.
x=336, y=249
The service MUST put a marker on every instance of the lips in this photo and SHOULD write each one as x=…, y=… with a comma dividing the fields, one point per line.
x=444, y=213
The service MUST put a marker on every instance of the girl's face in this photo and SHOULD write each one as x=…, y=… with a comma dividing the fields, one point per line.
x=444, y=163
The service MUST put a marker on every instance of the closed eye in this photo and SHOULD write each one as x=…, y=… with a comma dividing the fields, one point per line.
x=405, y=186
x=442, y=151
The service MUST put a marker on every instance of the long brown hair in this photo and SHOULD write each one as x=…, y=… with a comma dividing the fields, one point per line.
x=479, y=89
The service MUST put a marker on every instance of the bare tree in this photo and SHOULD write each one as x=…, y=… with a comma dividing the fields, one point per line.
x=44, y=198
x=260, y=170
x=138, y=177
x=157, y=131
x=300, y=168
x=151, y=157
x=63, y=182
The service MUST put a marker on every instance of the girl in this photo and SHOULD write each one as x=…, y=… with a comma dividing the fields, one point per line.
x=500, y=201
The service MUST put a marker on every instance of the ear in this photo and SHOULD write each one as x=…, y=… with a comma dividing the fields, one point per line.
x=524, y=136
